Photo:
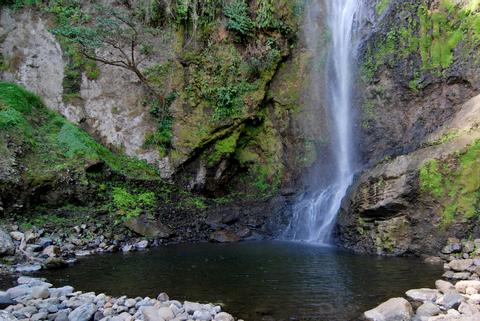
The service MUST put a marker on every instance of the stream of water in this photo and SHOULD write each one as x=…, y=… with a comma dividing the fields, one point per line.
x=314, y=215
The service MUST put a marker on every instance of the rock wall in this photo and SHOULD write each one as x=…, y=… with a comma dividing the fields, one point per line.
x=263, y=149
x=420, y=107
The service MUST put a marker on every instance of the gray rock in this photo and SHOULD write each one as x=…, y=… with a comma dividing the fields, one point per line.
x=224, y=236
x=150, y=314
x=62, y=315
x=39, y=316
x=191, y=307
x=460, y=265
x=423, y=294
x=468, y=309
x=444, y=286
x=129, y=303
x=51, y=251
x=5, y=300
x=453, y=246
x=25, y=312
x=461, y=286
x=468, y=247
x=5, y=316
x=40, y=292
x=142, y=245
x=202, y=315
x=166, y=313
x=28, y=268
x=148, y=228
x=396, y=309
x=223, y=316
x=450, y=300
x=33, y=281
x=428, y=309
x=19, y=291
x=163, y=297
x=16, y=235
x=83, y=313
x=461, y=276
x=63, y=291
x=127, y=248
x=6, y=244
x=53, y=263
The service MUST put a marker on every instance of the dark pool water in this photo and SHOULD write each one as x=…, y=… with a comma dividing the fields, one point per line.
x=255, y=281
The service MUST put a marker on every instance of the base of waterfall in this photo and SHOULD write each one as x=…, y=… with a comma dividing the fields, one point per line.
x=35, y=299
x=456, y=297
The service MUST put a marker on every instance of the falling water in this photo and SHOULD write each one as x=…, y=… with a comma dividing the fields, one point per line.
x=314, y=215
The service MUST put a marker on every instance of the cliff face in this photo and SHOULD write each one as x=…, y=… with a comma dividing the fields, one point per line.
x=235, y=104
x=223, y=149
x=419, y=86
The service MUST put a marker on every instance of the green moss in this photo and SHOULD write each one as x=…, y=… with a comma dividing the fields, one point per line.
x=381, y=6
x=455, y=183
x=130, y=205
x=431, y=179
x=53, y=142
x=224, y=148
x=433, y=34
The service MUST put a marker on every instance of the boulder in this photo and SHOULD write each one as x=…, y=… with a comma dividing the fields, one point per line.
x=460, y=265
x=396, y=309
x=223, y=316
x=150, y=314
x=147, y=228
x=166, y=313
x=5, y=300
x=6, y=244
x=19, y=291
x=444, y=286
x=5, y=316
x=450, y=300
x=453, y=246
x=54, y=263
x=423, y=294
x=51, y=251
x=224, y=236
x=461, y=286
x=468, y=247
x=468, y=309
x=83, y=313
x=40, y=292
x=16, y=235
x=428, y=309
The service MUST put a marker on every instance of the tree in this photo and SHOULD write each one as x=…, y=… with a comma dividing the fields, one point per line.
x=124, y=41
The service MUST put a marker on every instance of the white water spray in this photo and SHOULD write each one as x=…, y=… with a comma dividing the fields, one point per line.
x=314, y=215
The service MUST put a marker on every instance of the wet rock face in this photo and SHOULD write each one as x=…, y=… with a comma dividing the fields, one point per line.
x=391, y=209
x=6, y=244
x=405, y=96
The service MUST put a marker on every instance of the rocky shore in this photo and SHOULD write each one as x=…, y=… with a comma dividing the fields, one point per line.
x=455, y=298
x=32, y=249
x=35, y=299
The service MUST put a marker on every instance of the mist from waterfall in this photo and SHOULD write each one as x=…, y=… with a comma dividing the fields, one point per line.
x=315, y=213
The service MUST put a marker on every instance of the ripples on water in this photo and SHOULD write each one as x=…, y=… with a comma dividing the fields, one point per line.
x=255, y=281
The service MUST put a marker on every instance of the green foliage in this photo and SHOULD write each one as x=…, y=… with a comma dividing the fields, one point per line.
x=224, y=148
x=239, y=20
x=431, y=179
x=52, y=143
x=132, y=205
x=455, y=182
x=381, y=6
x=265, y=14
x=434, y=34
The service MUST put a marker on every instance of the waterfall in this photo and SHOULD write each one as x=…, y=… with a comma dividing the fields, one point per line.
x=314, y=214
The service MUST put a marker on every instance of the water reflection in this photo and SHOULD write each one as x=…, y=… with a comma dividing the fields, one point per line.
x=255, y=281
